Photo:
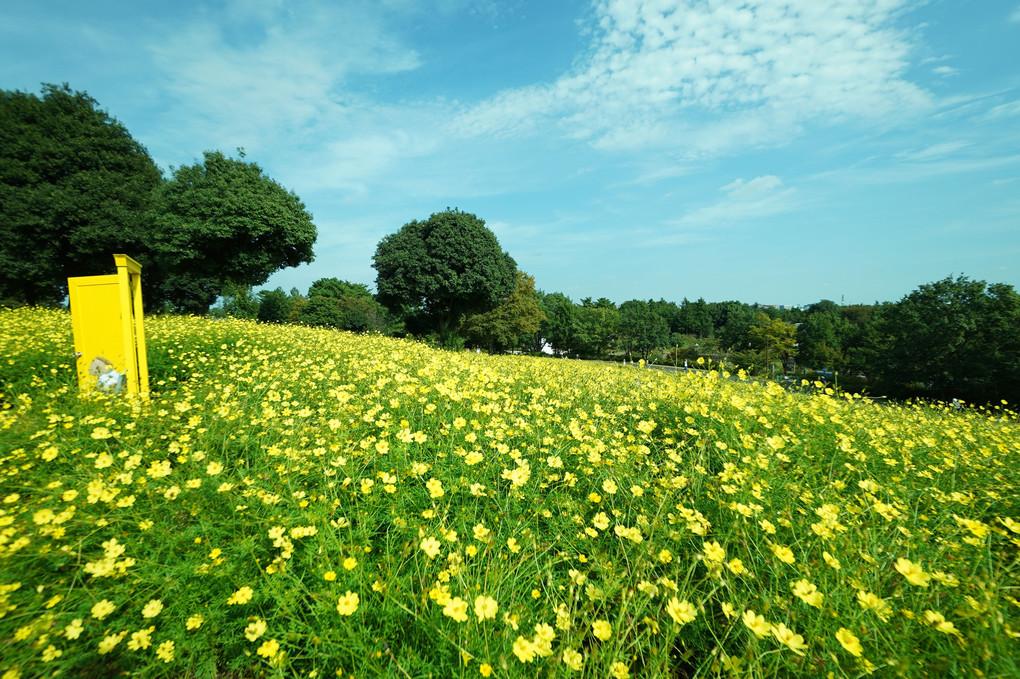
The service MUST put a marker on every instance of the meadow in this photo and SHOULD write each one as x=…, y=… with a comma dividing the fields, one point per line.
x=307, y=503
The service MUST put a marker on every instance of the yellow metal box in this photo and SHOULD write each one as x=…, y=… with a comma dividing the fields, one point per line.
x=109, y=332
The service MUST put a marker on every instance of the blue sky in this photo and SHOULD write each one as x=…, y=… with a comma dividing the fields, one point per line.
x=773, y=151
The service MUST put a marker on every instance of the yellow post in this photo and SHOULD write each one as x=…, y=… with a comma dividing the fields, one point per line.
x=109, y=332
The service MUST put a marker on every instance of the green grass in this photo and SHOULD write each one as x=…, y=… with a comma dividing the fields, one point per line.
x=306, y=464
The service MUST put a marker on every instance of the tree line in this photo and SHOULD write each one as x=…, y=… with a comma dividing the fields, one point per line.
x=75, y=188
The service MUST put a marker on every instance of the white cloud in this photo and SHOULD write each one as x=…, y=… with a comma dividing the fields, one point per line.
x=356, y=164
x=745, y=201
x=933, y=152
x=1002, y=111
x=253, y=71
x=654, y=172
x=740, y=189
x=945, y=70
x=665, y=73
x=1015, y=16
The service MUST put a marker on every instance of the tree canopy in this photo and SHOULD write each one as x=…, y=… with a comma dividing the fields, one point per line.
x=951, y=338
x=442, y=269
x=775, y=337
x=75, y=188
x=642, y=329
x=343, y=305
x=276, y=306
x=223, y=221
x=510, y=324
x=334, y=287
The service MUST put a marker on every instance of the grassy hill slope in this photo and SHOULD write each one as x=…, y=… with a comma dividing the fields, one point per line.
x=299, y=502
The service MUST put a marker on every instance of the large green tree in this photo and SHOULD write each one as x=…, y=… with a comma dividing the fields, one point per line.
x=734, y=332
x=510, y=325
x=74, y=190
x=343, y=305
x=597, y=327
x=275, y=306
x=219, y=222
x=559, y=323
x=951, y=338
x=442, y=269
x=642, y=329
x=695, y=318
x=822, y=335
x=775, y=337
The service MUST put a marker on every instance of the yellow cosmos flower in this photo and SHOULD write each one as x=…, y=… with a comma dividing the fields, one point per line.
x=74, y=630
x=756, y=623
x=102, y=609
x=485, y=608
x=785, y=635
x=573, y=659
x=141, y=639
x=241, y=596
x=255, y=629
x=431, y=547
x=714, y=551
x=850, y=642
x=736, y=566
x=457, y=609
x=784, y=554
x=807, y=592
x=871, y=601
x=152, y=609
x=524, y=649
x=348, y=603
x=913, y=572
x=602, y=630
x=682, y=612
x=939, y=622
x=269, y=648
x=109, y=642
x=435, y=488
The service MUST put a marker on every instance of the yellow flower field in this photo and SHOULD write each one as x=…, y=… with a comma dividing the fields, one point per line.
x=308, y=503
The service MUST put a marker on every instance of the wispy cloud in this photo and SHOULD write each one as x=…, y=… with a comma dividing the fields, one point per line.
x=707, y=77
x=745, y=201
x=933, y=152
x=757, y=186
x=255, y=71
x=1002, y=111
